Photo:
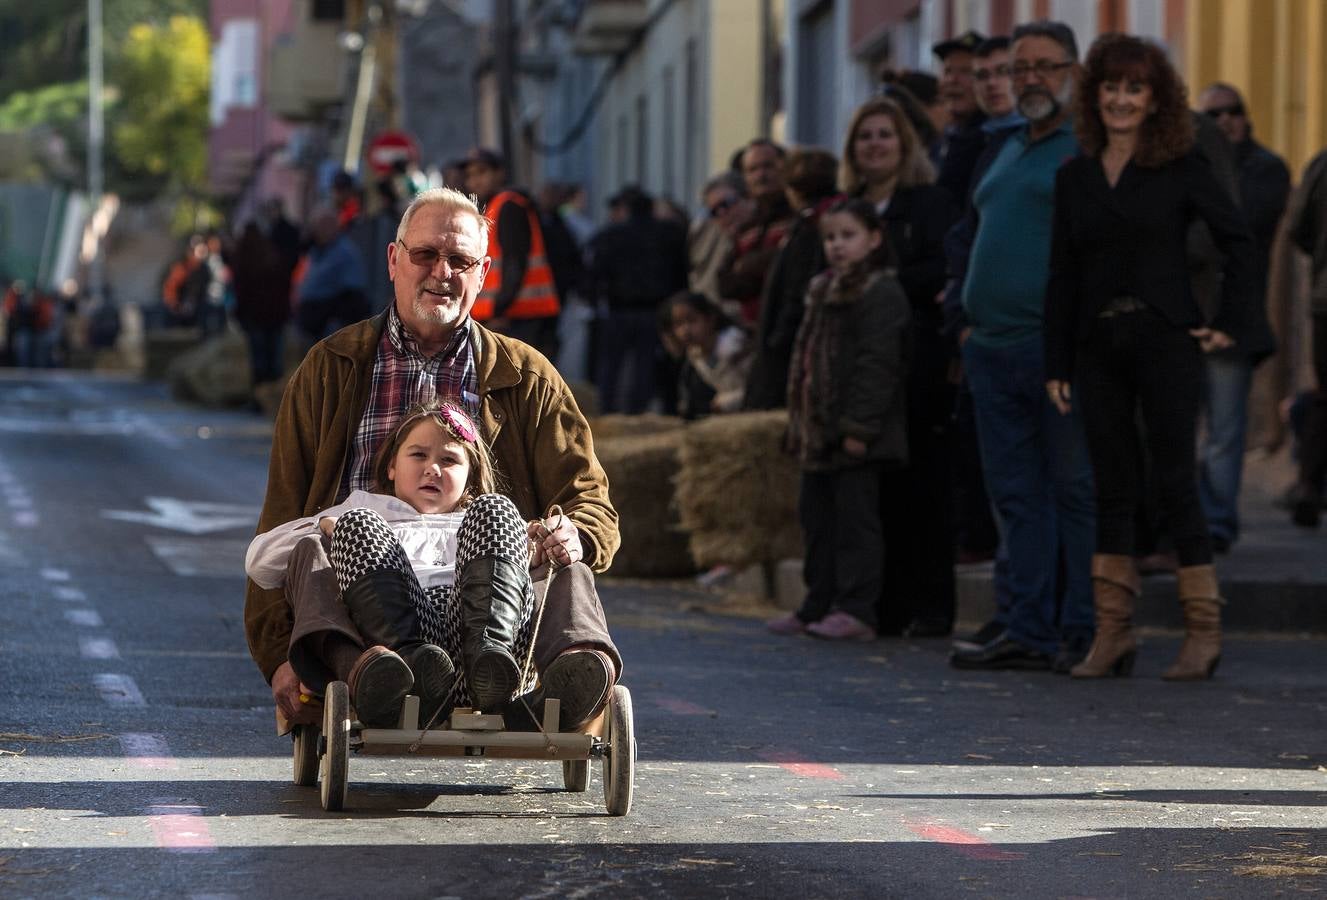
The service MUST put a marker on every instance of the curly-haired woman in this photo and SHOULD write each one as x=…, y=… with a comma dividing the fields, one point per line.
x=1123, y=327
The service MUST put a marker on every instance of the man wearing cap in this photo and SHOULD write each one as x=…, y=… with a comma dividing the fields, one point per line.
x=519, y=297
x=963, y=139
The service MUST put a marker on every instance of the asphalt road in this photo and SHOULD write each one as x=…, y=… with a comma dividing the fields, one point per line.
x=138, y=755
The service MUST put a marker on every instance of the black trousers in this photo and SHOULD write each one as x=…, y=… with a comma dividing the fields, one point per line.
x=843, y=566
x=915, y=502
x=1313, y=448
x=1138, y=364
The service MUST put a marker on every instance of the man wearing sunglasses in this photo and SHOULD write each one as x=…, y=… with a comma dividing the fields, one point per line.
x=350, y=393
x=1263, y=189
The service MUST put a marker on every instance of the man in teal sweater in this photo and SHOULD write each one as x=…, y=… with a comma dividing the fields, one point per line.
x=1034, y=460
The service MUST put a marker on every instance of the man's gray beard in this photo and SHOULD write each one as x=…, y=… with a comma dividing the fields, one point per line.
x=445, y=315
x=1040, y=105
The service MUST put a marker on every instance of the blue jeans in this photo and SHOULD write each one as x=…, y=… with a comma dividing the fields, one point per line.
x=1040, y=479
x=1222, y=455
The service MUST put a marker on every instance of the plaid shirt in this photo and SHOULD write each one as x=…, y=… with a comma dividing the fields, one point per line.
x=402, y=377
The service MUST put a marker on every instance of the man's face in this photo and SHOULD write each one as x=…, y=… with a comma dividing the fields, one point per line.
x=995, y=86
x=1043, y=78
x=762, y=169
x=437, y=296
x=1224, y=108
x=956, y=85
x=483, y=180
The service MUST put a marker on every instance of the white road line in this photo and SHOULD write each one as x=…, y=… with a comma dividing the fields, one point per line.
x=147, y=751
x=98, y=648
x=55, y=574
x=26, y=519
x=118, y=690
x=69, y=594
x=83, y=618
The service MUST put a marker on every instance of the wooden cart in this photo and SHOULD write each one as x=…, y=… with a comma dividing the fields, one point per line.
x=322, y=755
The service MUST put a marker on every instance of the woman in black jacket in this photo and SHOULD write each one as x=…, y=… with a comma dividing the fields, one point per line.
x=885, y=163
x=1123, y=327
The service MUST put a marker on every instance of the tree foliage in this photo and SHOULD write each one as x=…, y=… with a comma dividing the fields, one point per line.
x=156, y=97
x=162, y=77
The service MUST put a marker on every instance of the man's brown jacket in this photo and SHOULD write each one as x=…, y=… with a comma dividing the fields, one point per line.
x=540, y=441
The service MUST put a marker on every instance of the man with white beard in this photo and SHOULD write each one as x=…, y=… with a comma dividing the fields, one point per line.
x=1034, y=461
x=349, y=395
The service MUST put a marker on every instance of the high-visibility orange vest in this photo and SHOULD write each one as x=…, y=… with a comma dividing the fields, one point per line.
x=537, y=298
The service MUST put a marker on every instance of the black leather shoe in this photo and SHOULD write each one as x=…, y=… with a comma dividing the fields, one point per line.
x=924, y=628
x=981, y=637
x=1004, y=653
x=1072, y=651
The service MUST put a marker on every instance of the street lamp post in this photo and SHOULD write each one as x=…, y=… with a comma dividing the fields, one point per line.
x=96, y=139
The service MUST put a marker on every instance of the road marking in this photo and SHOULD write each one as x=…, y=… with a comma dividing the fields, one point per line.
x=83, y=618
x=191, y=517
x=180, y=827
x=792, y=763
x=26, y=519
x=55, y=574
x=681, y=707
x=18, y=499
x=965, y=844
x=147, y=751
x=189, y=557
x=98, y=648
x=118, y=690
x=70, y=594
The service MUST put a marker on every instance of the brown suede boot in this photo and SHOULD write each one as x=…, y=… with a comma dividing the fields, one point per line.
x=1202, y=601
x=1115, y=588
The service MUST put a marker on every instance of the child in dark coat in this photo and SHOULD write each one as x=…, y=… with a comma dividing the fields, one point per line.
x=847, y=423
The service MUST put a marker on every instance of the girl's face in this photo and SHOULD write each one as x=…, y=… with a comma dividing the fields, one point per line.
x=430, y=469
x=877, y=151
x=847, y=240
x=691, y=327
x=1124, y=104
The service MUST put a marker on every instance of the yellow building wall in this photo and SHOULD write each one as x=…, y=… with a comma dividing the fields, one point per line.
x=1275, y=52
x=736, y=79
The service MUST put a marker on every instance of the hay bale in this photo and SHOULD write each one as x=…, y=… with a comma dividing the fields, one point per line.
x=214, y=373
x=621, y=425
x=737, y=490
x=640, y=482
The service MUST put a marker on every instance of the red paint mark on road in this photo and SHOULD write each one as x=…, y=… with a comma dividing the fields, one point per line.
x=964, y=843
x=681, y=707
x=180, y=827
x=798, y=766
x=147, y=751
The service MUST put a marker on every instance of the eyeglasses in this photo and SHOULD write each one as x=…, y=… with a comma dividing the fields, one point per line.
x=722, y=206
x=1043, y=68
x=1216, y=112
x=1001, y=71
x=427, y=258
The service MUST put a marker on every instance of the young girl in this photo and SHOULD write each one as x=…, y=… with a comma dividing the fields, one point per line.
x=716, y=357
x=847, y=422
x=431, y=570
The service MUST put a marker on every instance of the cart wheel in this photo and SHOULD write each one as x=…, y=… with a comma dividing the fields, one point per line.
x=336, y=756
x=620, y=761
x=305, y=755
x=576, y=775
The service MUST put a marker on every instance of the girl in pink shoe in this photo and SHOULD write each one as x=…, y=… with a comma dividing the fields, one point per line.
x=846, y=423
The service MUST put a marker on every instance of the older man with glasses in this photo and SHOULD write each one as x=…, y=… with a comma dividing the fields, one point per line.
x=1264, y=188
x=352, y=390
x=1035, y=461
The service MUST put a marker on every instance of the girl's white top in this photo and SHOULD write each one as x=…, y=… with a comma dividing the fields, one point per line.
x=429, y=540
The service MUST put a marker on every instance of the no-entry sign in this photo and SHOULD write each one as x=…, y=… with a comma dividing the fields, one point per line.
x=388, y=147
